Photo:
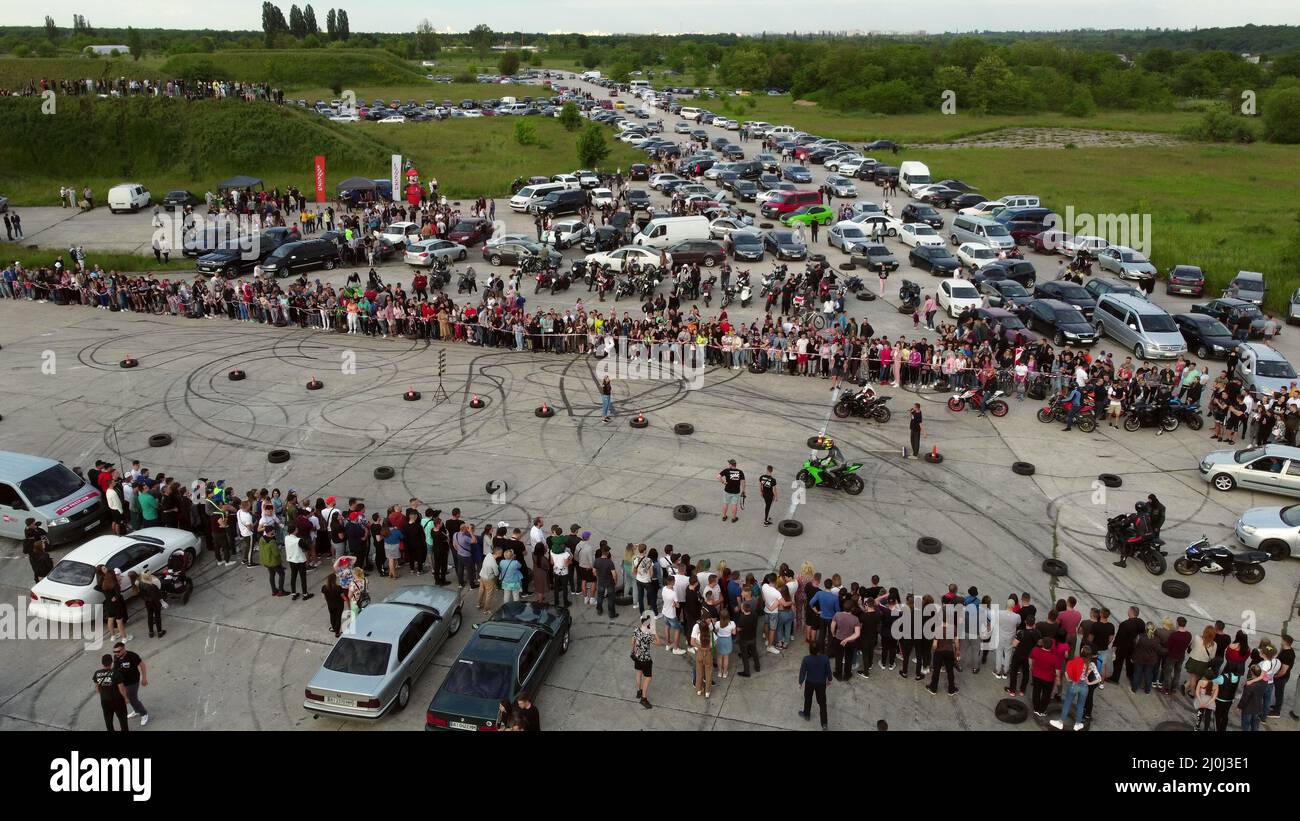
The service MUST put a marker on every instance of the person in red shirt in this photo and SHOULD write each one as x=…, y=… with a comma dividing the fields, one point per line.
x=1044, y=666
x=1075, y=681
x=1069, y=618
x=1176, y=650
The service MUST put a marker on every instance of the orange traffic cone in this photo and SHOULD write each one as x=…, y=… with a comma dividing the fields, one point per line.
x=475, y=402
x=545, y=409
x=934, y=451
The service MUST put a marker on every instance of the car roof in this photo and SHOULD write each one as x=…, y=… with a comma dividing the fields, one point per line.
x=1134, y=303
x=1263, y=351
x=19, y=466
x=497, y=641
x=1057, y=305
x=99, y=548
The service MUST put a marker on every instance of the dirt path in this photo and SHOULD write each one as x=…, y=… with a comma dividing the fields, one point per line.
x=1056, y=138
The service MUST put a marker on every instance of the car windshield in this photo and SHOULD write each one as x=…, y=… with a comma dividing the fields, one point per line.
x=746, y=239
x=877, y=251
x=1133, y=256
x=1011, y=322
x=464, y=225
x=1159, y=324
x=1290, y=515
x=478, y=679
x=1249, y=285
x=785, y=238
x=938, y=252
x=923, y=230
x=76, y=574
x=50, y=485
x=1069, y=316
x=1010, y=287
x=1241, y=457
x=996, y=231
x=358, y=657
x=981, y=253
x=964, y=292
x=798, y=169
x=853, y=233
x=1275, y=369
x=1071, y=291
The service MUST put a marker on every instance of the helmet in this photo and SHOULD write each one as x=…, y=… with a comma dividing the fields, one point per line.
x=1142, y=507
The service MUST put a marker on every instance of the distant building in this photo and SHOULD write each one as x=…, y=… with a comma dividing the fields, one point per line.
x=1250, y=58
x=105, y=51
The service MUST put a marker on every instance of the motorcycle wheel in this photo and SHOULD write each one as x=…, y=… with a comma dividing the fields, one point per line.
x=806, y=477
x=1087, y=424
x=1184, y=566
x=1195, y=421
x=1131, y=423
x=1155, y=564
x=843, y=410
x=1170, y=424
x=1044, y=415
x=1250, y=574
x=998, y=408
x=853, y=485
x=956, y=405
x=1112, y=542
x=881, y=414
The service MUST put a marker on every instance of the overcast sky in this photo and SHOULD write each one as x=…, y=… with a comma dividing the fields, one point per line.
x=673, y=16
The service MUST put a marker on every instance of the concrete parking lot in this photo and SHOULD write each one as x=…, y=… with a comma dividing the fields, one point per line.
x=235, y=658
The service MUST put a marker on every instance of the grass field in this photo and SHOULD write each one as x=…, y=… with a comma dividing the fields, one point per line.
x=1219, y=207
x=297, y=68
x=16, y=72
x=109, y=261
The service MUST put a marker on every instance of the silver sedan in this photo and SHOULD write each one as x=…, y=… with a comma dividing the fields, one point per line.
x=1272, y=468
x=377, y=660
x=1275, y=530
x=426, y=252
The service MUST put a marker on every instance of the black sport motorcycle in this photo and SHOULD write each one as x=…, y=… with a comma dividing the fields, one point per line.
x=1147, y=551
x=868, y=407
x=1151, y=415
x=1200, y=557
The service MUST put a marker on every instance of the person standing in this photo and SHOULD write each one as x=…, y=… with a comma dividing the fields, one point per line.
x=1286, y=661
x=732, y=479
x=1044, y=671
x=1076, y=690
x=606, y=399
x=268, y=552
x=702, y=640
x=133, y=674
x=333, y=595
x=916, y=429
x=1253, y=701
x=606, y=579
x=149, y=589
x=814, y=678
x=642, y=660
x=767, y=488
x=846, y=630
x=297, y=559
x=112, y=693
x=747, y=638
x=1126, y=635
x=512, y=576
x=945, y=653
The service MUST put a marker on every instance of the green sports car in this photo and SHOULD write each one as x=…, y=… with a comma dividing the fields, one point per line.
x=822, y=214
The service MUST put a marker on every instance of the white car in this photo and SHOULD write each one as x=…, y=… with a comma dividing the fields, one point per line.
x=975, y=254
x=837, y=162
x=629, y=253
x=469, y=113
x=401, y=233
x=851, y=167
x=773, y=193
x=987, y=208
x=67, y=594
x=658, y=180
x=847, y=234
x=955, y=295
x=345, y=118
x=600, y=197
x=917, y=234
x=393, y=118
x=565, y=233
x=587, y=179
x=426, y=252
x=1086, y=242
x=889, y=225
x=722, y=227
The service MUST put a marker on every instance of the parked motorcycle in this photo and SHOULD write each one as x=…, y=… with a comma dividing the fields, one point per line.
x=560, y=282
x=466, y=282
x=1218, y=560
x=1147, y=551
x=970, y=398
x=859, y=403
x=1151, y=415
x=746, y=292
x=823, y=472
x=624, y=287
x=706, y=287
x=1085, y=420
x=1188, y=413
x=909, y=296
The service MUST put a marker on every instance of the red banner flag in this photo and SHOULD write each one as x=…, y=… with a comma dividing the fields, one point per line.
x=320, y=179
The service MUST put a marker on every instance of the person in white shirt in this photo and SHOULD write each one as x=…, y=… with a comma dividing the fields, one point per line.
x=1007, y=623
x=296, y=556
x=771, y=609
x=535, y=533
x=671, y=619
x=244, y=522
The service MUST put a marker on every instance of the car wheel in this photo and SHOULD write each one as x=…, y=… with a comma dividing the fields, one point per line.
x=462, y=256
x=403, y=697
x=1202, y=352
x=1276, y=548
x=329, y=265
x=564, y=643
x=1059, y=339
x=1139, y=351
x=709, y=262
x=454, y=623
x=496, y=259
x=1223, y=482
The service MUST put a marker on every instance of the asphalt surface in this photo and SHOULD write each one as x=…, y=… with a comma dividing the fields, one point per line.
x=235, y=658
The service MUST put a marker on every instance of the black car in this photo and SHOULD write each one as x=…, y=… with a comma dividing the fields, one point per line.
x=957, y=184
x=179, y=199
x=1020, y=270
x=940, y=196
x=705, y=252
x=882, y=145
x=725, y=179
x=934, y=258
x=719, y=143
x=745, y=190
x=238, y=257
x=733, y=152
x=1024, y=223
x=747, y=245
x=769, y=181
x=966, y=201
x=1060, y=321
x=1067, y=292
x=514, y=253
x=304, y=255
x=1232, y=312
x=1098, y=286
x=821, y=155
x=915, y=212
x=1206, y=336
x=636, y=198
x=1186, y=279
x=605, y=238
x=884, y=174
x=785, y=244
x=1005, y=293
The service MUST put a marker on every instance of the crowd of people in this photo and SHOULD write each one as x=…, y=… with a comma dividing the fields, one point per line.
x=124, y=87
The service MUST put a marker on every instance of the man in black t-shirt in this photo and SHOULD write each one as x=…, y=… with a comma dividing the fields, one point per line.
x=134, y=675
x=747, y=638
x=1286, y=660
x=916, y=428
x=112, y=693
x=733, y=489
x=767, y=487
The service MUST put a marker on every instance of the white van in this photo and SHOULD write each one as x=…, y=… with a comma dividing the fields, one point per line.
x=665, y=231
x=569, y=181
x=912, y=175
x=689, y=113
x=781, y=132
x=507, y=101
x=129, y=196
x=637, y=85
x=532, y=194
x=1018, y=200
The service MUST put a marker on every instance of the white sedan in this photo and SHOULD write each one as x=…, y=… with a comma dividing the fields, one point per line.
x=722, y=227
x=426, y=252
x=917, y=234
x=67, y=594
x=629, y=253
x=975, y=254
x=401, y=233
x=845, y=235
x=658, y=180
x=600, y=197
x=983, y=209
x=955, y=295
x=393, y=118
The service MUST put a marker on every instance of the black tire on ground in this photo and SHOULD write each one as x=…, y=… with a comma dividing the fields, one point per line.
x=754, y=367
x=790, y=527
x=236, y=375
x=929, y=545
x=905, y=309
x=128, y=363
x=1011, y=711
x=315, y=385
x=411, y=396
x=638, y=422
x=544, y=412
x=684, y=513
x=278, y=456
x=160, y=440
x=493, y=487
x=1171, y=726
x=1109, y=479
x=866, y=296
x=1055, y=567
x=683, y=429
x=817, y=258
x=622, y=600
x=846, y=266
x=765, y=225
x=934, y=458
x=1175, y=589
x=816, y=442
x=384, y=472
x=1022, y=468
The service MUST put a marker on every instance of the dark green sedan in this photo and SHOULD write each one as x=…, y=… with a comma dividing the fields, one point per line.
x=510, y=653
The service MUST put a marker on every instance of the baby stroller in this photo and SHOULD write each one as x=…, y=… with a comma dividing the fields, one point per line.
x=173, y=579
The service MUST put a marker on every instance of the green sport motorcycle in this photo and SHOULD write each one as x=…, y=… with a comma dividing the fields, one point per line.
x=822, y=472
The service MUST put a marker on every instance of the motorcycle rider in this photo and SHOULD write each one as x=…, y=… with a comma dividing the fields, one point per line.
x=1137, y=530
x=832, y=463
x=1073, y=400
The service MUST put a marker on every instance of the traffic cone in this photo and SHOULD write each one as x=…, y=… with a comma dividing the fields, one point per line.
x=545, y=409
x=475, y=402
x=934, y=452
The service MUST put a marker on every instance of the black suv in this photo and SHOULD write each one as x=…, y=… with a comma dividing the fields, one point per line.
x=636, y=199
x=232, y=260
x=1020, y=270
x=916, y=212
x=561, y=202
x=295, y=257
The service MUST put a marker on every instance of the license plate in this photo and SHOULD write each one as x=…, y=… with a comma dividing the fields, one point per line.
x=340, y=701
x=50, y=601
x=91, y=526
x=460, y=725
